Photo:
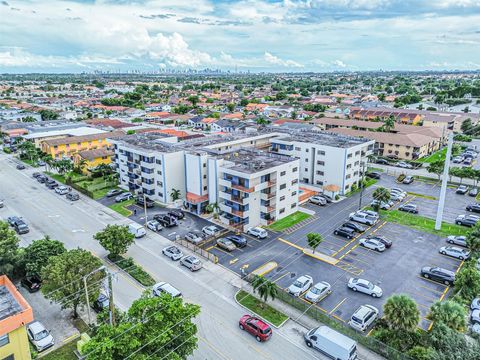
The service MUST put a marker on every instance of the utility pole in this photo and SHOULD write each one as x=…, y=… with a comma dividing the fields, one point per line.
x=86, y=290
x=111, y=305
x=361, y=186
x=145, y=207
x=443, y=189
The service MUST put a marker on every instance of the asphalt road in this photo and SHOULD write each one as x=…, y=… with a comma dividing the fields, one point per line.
x=211, y=288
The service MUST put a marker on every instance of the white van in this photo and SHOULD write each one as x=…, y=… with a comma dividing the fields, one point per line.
x=331, y=343
x=137, y=230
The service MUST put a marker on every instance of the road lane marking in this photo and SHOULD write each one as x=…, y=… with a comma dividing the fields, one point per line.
x=288, y=272
x=444, y=293
x=214, y=348
x=337, y=306
x=433, y=282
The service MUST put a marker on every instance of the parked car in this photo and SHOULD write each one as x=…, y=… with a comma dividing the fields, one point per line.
x=345, y=232
x=51, y=185
x=318, y=200
x=363, y=218
x=373, y=175
x=165, y=288
x=457, y=240
x=302, y=284
x=354, y=226
x=372, y=244
x=172, y=252
x=194, y=238
x=210, y=230
x=467, y=220
x=411, y=208
x=144, y=201
x=166, y=220
x=21, y=227
x=396, y=197
x=318, y=291
x=42, y=179
x=62, y=190
x=363, y=317
x=365, y=286
x=475, y=305
x=137, y=230
x=41, y=163
x=458, y=159
x=328, y=198
x=225, y=244
x=331, y=343
x=462, y=189
x=454, y=251
x=438, y=274
x=39, y=336
x=473, y=192
x=473, y=208
x=468, y=161
x=382, y=205
x=73, y=196
x=13, y=219
x=191, y=262
x=404, y=165
x=257, y=232
x=238, y=240
x=382, y=161
x=31, y=283
x=102, y=303
x=154, y=225
x=177, y=213
x=388, y=243
x=20, y=167
x=408, y=180
x=36, y=174
x=475, y=317
x=123, y=197
x=256, y=327
x=114, y=192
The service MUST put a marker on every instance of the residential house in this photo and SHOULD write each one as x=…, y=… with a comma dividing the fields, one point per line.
x=93, y=158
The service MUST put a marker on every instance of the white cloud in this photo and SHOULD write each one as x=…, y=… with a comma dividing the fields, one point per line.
x=339, y=63
x=275, y=60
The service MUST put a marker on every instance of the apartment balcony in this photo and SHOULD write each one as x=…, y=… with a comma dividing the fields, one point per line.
x=224, y=182
x=240, y=200
x=138, y=182
x=265, y=185
x=243, y=188
x=267, y=196
x=138, y=172
x=225, y=208
x=225, y=195
x=239, y=213
x=267, y=209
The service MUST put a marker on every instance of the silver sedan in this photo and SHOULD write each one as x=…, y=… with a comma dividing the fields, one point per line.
x=372, y=244
x=454, y=251
x=318, y=291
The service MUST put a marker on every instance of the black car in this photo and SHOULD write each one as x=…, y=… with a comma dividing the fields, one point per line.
x=31, y=283
x=20, y=167
x=51, y=185
x=382, y=239
x=373, y=175
x=345, y=232
x=114, y=192
x=21, y=228
x=382, y=161
x=12, y=220
x=102, y=302
x=354, y=226
x=145, y=201
x=473, y=208
x=466, y=220
x=238, y=240
x=72, y=196
x=410, y=208
x=42, y=179
x=438, y=274
x=166, y=220
x=36, y=174
x=176, y=213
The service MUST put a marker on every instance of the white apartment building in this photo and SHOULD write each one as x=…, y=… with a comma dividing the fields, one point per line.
x=253, y=187
x=326, y=158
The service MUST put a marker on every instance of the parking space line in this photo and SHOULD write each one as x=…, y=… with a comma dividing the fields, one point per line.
x=277, y=279
x=444, y=293
x=210, y=248
x=460, y=266
x=344, y=246
x=348, y=252
x=368, y=251
x=434, y=290
x=360, y=260
x=433, y=282
x=338, y=318
x=337, y=306
x=222, y=251
x=423, y=296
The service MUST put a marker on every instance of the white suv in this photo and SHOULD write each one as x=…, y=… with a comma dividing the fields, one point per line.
x=165, y=288
x=39, y=336
x=363, y=317
x=258, y=232
x=363, y=218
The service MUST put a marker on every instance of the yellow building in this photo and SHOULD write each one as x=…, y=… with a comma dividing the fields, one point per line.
x=93, y=158
x=15, y=314
x=66, y=148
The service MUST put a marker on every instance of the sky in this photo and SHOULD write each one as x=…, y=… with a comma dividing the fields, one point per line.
x=254, y=35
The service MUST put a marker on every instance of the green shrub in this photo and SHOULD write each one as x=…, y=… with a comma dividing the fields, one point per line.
x=134, y=270
x=7, y=150
x=420, y=353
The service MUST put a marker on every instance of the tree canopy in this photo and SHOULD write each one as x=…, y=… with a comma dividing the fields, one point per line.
x=8, y=249
x=115, y=239
x=37, y=254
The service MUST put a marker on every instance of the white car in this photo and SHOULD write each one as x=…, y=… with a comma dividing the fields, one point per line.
x=365, y=286
x=396, y=196
x=172, y=252
x=382, y=205
x=210, y=230
x=191, y=262
x=404, y=165
x=363, y=218
x=457, y=240
x=39, y=336
x=258, y=232
x=398, y=190
x=318, y=200
x=363, y=317
x=475, y=305
x=455, y=251
x=475, y=316
x=154, y=225
x=165, y=288
x=62, y=190
x=372, y=244
x=318, y=291
x=302, y=284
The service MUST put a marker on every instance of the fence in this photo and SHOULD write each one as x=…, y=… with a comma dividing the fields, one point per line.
x=197, y=250
x=319, y=315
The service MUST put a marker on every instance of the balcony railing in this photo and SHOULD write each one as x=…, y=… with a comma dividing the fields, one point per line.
x=243, y=188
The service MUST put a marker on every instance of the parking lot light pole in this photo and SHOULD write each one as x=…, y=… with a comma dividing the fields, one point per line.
x=145, y=208
x=361, y=186
x=86, y=289
x=443, y=189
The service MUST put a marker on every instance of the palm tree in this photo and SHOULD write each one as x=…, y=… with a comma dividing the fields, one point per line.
x=265, y=288
x=81, y=165
x=382, y=195
x=49, y=161
x=389, y=124
x=313, y=240
x=401, y=313
x=175, y=194
x=450, y=313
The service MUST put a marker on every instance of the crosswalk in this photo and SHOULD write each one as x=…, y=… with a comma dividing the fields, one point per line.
x=299, y=225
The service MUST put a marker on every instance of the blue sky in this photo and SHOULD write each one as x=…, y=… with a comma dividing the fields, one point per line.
x=255, y=35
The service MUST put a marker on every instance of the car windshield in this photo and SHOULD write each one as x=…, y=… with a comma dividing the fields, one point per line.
x=41, y=335
x=357, y=320
x=370, y=285
x=265, y=331
x=317, y=290
x=298, y=284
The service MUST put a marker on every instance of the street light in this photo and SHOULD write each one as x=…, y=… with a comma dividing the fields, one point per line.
x=86, y=288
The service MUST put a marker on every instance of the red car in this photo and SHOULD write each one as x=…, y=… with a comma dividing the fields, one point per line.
x=256, y=327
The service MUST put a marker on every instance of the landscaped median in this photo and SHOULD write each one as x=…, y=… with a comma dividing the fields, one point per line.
x=132, y=269
x=121, y=208
x=259, y=308
x=289, y=221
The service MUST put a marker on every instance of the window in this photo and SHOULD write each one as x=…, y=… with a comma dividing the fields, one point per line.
x=321, y=173
x=348, y=176
x=283, y=186
x=349, y=166
x=306, y=169
x=349, y=156
x=204, y=164
x=205, y=188
x=294, y=193
x=159, y=183
x=306, y=150
x=282, y=198
x=282, y=211
x=321, y=163
x=357, y=153
x=297, y=149
x=320, y=152
x=319, y=182
x=159, y=162
x=295, y=169
x=4, y=340
x=293, y=205
x=204, y=176
x=283, y=173
x=294, y=181
x=306, y=159
x=159, y=172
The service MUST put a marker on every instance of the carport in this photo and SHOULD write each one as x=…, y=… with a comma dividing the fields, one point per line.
x=196, y=203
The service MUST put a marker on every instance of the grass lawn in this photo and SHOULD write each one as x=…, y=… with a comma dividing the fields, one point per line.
x=30, y=162
x=121, y=207
x=134, y=270
x=422, y=223
x=437, y=155
x=63, y=353
x=58, y=177
x=288, y=221
x=260, y=308
x=422, y=195
x=375, y=169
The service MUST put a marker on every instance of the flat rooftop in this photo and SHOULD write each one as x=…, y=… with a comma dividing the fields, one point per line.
x=323, y=138
x=148, y=142
x=8, y=304
x=251, y=161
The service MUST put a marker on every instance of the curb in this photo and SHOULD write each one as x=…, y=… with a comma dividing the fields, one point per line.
x=260, y=317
